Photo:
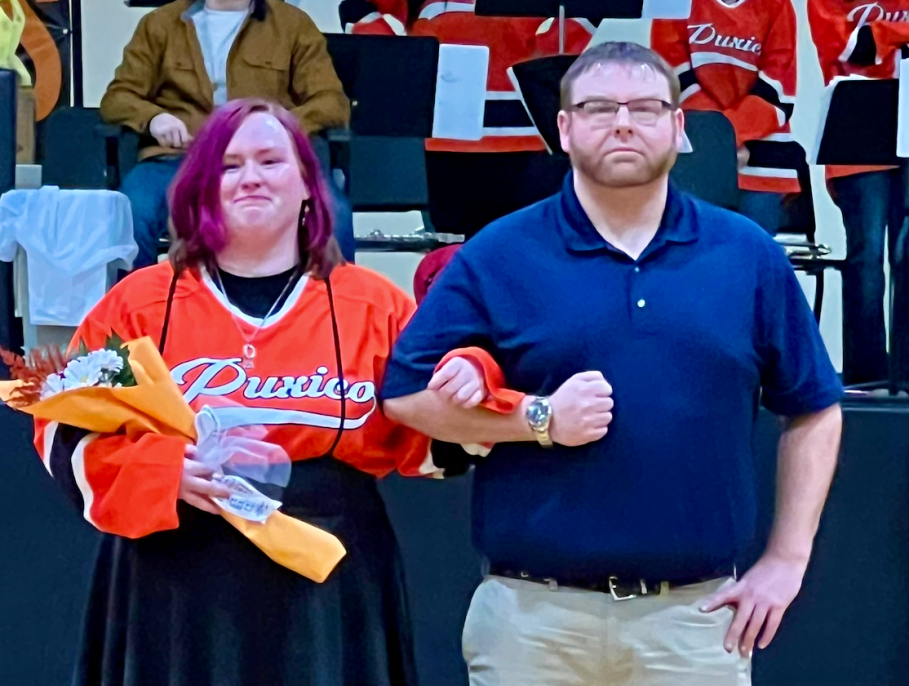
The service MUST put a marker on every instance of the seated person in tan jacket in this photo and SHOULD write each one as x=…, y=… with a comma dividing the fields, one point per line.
x=189, y=57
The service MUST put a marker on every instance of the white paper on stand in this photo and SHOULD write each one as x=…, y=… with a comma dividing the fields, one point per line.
x=902, y=126
x=666, y=9
x=461, y=92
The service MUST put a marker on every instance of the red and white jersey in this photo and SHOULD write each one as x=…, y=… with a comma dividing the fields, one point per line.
x=834, y=28
x=129, y=486
x=507, y=126
x=740, y=59
x=389, y=19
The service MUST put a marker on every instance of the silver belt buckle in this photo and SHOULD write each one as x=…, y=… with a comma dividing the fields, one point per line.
x=616, y=596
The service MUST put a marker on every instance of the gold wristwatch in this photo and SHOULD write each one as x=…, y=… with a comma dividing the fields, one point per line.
x=539, y=416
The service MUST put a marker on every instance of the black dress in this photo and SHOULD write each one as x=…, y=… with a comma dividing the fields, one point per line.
x=202, y=606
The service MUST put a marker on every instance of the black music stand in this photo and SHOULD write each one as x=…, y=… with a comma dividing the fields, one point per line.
x=861, y=129
x=390, y=80
x=391, y=84
x=593, y=10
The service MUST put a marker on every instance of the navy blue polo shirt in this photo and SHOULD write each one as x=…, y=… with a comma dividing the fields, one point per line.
x=709, y=322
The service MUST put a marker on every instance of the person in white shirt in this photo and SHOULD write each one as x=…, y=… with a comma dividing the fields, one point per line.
x=190, y=56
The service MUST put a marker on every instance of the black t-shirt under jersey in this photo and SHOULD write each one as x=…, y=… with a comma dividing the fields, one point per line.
x=256, y=295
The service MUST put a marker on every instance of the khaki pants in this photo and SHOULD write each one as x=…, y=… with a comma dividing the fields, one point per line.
x=520, y=633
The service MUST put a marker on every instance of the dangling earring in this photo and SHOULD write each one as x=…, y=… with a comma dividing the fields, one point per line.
x=304, y=211
x=303, y=233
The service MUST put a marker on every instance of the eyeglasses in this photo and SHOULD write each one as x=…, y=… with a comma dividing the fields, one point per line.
x=645, y=111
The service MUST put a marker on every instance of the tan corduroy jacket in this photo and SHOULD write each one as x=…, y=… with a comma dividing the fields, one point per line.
x=281, y=58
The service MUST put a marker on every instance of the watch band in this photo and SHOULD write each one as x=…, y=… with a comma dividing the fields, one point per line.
x=543, y=437
x=539, y=417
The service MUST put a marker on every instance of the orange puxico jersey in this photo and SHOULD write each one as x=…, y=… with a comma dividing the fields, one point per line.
x=834, y=29
x=507, y=127
x=130, y=487
x=739, y=59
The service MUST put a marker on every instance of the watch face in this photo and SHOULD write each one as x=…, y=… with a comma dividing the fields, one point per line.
x=538, y=414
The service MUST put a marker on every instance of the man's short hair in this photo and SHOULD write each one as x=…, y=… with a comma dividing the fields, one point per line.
x=618, y=52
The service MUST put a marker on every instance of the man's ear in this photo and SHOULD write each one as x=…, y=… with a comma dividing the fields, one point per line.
x=564, y=122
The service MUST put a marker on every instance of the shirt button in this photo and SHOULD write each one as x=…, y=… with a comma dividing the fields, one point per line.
x=642, y=302
x=637, y=270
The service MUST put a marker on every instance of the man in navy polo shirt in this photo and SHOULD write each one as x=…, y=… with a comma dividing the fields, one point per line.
x=612, y=520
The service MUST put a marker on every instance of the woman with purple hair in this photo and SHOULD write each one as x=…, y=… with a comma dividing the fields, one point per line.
x=260, y=320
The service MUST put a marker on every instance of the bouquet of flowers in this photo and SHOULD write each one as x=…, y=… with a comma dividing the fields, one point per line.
x=127, y=387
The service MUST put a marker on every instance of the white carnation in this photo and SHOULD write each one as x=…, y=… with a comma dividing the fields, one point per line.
x=107, y=360
x=52, y=385
x=81, y=372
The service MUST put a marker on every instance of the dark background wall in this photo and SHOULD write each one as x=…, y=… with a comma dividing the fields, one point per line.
x=849, y=627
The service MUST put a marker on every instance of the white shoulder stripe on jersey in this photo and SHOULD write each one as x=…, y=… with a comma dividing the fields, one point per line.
x=777, y=86
x=699, y=59
x=396, y=24
x=393, y=23
x=585, y=24
x=682, y=68
x=767, y=172
x=78, y=462
x=545, y=26
x=435, y=9
x=255, y=321
x=688, y=92
x=230, y=417
x=850, y=48
x=850, y=45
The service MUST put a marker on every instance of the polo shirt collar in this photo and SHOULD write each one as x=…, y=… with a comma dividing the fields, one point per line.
x=677, y=225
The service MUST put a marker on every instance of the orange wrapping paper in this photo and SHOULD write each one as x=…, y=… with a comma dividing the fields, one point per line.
x=155, y=405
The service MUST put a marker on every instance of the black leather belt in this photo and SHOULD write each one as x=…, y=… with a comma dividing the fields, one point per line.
x=619, y=589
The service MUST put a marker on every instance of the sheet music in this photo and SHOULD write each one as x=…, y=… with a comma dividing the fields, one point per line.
x=461, y=92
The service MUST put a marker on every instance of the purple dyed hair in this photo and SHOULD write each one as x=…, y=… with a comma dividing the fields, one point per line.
x=198, y=227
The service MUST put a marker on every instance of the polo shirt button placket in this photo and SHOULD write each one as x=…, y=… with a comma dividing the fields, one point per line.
x=640, y=303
